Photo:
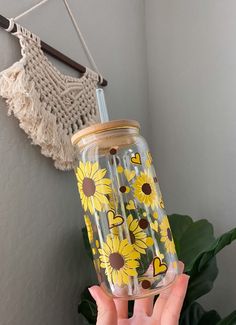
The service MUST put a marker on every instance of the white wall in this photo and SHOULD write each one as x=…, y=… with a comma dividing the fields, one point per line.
x=43, y=264
x=191, y=54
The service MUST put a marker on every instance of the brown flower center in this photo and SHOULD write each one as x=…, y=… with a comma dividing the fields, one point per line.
x=143, y=223
x=169, y=235
x=89, y=187
x=116, y=261
x=146, y=188
x=132, y=237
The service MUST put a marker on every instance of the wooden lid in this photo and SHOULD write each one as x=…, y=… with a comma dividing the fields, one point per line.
x=100, y=127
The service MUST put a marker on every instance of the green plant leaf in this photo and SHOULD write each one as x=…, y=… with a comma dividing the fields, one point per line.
x=204, y=270
x=192, y=314
x=210, y=318
x=191, y=238
x=88, y=307
x=201, y=283
x=196, y=239
x=178, y=225
x=217, y=246
x=196, y=315
x=229, y=320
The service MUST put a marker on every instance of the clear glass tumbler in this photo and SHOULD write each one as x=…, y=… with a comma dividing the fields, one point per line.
x=128, y=229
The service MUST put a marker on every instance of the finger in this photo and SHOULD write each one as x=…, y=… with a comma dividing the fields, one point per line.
x=163, y=297
x=180, y=267
x=121, y=308
x=160, y=304
x=106, y=307
x=144, y=306
x=172, y=308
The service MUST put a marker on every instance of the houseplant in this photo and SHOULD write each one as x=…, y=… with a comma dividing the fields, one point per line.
x=197, y=247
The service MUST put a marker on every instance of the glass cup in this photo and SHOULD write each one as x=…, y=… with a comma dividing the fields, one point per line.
x=128, y=229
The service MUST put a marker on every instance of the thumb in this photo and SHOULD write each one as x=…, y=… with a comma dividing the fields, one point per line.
x=107, y=314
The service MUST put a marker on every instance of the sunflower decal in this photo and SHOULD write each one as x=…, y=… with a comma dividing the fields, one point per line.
x=138, y=237
x=118, y=258
x=93, y=186
x=166, y=236
x=145, y=190
x=89, y=228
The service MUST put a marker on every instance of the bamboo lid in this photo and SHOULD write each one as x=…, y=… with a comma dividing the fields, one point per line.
x=100, y=127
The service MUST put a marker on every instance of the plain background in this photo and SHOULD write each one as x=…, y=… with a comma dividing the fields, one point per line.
x=172, y=66
x=191, y=55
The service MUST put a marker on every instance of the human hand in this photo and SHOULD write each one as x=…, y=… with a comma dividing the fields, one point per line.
x=166, y=310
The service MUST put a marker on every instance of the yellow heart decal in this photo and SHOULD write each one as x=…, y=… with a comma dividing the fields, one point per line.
x=113, y=219
x=130, y=205
x=129, y=174
x=158, y=267
x=136, y=159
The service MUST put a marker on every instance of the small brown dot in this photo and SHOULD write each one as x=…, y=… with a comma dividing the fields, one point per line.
x=143, y=223
x=146, y=284
x=123, y=189
x=155, y=179
x=113, y=151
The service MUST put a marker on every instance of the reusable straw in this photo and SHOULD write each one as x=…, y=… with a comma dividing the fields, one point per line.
x=102, y=105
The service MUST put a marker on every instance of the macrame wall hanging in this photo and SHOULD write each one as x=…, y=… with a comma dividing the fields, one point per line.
x=49, y=105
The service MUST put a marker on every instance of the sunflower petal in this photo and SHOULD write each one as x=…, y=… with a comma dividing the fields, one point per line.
x=139, y=249
x=103, y=189
x=125, y=278
x=131, y=272
x=97, y=204
x=79, y=175
x=90, y=206
x=94, y=169
x=100, y=173
x=82, y=167
x=123, y=243
x=105, y=181
x=129, y=219
x=116, y=244
x=104, y=259
x=131, y=264
x=133, y=225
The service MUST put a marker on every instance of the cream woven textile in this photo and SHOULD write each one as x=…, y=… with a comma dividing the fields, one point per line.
x=49, y=105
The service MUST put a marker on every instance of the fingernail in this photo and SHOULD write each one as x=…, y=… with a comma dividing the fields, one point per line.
x=181, y=267
x=184, y=277
x=92, y=292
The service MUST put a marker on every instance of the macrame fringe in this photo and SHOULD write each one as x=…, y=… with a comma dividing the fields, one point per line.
x=40, y=125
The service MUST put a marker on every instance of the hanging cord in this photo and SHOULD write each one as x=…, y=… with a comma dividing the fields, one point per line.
x=90, y=57
x=31, y=9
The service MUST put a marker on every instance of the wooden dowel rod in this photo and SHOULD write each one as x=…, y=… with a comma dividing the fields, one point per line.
x=4, y=23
